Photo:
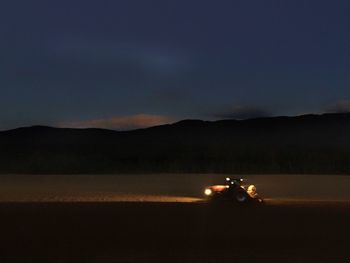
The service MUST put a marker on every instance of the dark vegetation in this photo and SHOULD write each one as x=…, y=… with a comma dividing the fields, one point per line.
x=304, y=144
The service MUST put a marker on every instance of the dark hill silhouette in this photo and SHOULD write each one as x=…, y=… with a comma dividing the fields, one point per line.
x=303, y=144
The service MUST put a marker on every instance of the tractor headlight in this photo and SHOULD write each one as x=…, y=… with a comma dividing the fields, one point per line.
x=208, y=191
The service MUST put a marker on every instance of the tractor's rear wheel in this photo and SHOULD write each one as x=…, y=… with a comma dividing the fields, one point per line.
x=241, y=197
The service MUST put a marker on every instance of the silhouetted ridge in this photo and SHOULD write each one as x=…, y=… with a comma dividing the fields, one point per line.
x=302, y=144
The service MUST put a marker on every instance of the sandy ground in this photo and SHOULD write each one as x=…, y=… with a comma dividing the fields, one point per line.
x=161, y=218
x=165, y=187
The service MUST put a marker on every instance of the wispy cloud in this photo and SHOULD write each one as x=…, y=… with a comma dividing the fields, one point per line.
x=242, y=112
x=342, y=106
x=122, y=122
x=138, y=57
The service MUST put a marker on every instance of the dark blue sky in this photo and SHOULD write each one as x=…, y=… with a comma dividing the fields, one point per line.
x=121, y=64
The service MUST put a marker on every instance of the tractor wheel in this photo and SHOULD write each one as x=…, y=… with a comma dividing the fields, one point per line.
x=241, y=197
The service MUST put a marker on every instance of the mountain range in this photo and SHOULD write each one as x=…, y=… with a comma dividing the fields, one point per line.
x=301, y=144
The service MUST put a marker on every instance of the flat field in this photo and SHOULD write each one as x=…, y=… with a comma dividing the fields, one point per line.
x=162, y=218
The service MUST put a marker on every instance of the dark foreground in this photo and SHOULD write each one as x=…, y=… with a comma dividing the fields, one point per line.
x=173, y=232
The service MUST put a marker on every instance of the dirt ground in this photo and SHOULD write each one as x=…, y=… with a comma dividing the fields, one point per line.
x=173, y=232
x=82, y=219
x=165, y=187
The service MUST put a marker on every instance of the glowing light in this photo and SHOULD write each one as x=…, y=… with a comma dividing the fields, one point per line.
x=208, y=191
x=219, y=188
x=252, y=191
x=228, y=179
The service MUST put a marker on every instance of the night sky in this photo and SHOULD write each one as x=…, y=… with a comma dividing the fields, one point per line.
x=135, y=63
